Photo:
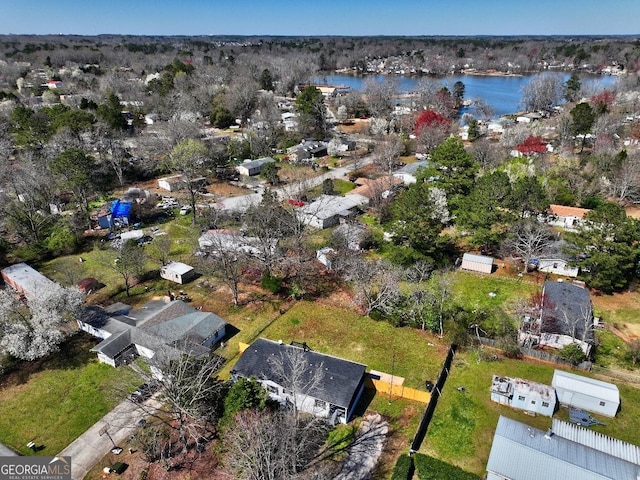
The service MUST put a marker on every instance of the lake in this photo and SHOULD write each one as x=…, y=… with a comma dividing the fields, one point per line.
x=502, y=93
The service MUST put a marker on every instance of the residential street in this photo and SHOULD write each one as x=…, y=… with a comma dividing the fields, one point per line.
x=90, y=447
x=242, y=202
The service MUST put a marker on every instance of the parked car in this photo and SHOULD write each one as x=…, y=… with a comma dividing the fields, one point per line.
x=185, y=210
x=143, y=392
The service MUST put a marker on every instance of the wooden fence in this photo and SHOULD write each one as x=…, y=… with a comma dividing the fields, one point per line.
x=399, y=391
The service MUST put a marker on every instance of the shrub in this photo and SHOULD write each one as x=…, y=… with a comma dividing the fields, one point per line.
x=271, y=282
x=572, y=353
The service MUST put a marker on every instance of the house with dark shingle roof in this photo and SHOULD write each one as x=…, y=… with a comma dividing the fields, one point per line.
x=566, y=317
x=324, y=386
x=162, y=328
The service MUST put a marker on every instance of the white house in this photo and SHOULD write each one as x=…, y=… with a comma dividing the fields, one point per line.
x=328, y=387
x=253, y=167
x=524, y=395
x=327, y=210
x=557, y=266
x=177, y=272
x=408, y=173
x=586, y=393
x=157, y=329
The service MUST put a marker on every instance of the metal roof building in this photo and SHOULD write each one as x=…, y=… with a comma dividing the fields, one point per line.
x=477, y=263
x=520, y=452
x=586, y=393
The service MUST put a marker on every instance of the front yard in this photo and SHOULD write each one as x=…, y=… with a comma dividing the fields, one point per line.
x=52, y=401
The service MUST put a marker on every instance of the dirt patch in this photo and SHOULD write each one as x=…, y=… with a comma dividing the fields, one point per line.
x=633, y=212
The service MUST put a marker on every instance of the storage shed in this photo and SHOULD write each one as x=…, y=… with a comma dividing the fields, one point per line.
x=477, y=263
x=177, y=272
x=586, y=393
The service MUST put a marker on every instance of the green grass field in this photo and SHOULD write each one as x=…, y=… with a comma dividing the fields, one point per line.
x=462, y=428
x=52, y=402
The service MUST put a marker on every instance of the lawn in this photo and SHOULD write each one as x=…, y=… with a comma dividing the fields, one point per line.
x=407, y=352
x=473, y=290
x=462, y=428
x=53, y=401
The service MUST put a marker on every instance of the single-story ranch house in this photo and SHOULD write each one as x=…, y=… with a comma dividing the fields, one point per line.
x=167, y=328
x=330, y=387
x=253, y=167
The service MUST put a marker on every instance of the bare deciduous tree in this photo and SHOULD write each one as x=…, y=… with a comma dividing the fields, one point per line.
x=376, y=285
x=529, y=239
x=542, y=93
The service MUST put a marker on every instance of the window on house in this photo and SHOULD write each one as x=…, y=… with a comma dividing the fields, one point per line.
x=533, y=402
x=320, y=404
x=602, y=404
x=545, y=404
x=521, y=398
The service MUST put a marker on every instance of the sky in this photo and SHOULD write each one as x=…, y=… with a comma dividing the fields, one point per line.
x=329, y=17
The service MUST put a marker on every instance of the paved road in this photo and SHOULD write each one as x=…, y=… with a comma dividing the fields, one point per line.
x=6, y=451
x=89, y=448
x=243, y=202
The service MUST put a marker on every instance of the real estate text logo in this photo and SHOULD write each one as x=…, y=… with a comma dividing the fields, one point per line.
x=35, y=468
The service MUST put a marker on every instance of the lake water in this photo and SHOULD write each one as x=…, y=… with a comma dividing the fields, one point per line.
x=502, y=93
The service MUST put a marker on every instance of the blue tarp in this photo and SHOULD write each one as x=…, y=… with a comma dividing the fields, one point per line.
x=120, y=209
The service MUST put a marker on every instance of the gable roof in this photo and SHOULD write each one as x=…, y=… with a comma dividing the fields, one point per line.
x=193, y=327
x=586, y=385
x=564, y=211
x=340, y=378
x=471, y=257
x=178, y=268
x=520, y=452
x=171, y=327
x=562, y=299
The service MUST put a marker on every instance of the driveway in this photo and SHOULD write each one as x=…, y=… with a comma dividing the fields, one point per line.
x=6, y=451
x=89, y=448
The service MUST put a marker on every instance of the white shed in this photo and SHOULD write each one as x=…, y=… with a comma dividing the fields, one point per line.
x=477, y=263
x=177, y=272
x=586, y=393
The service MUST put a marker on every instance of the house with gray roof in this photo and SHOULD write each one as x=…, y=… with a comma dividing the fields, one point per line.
x=521, y=452
x=250, y=168
x=315, y=382
x=408, y=173
x=328, y=210
x=158, y=328
x=567, y=316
